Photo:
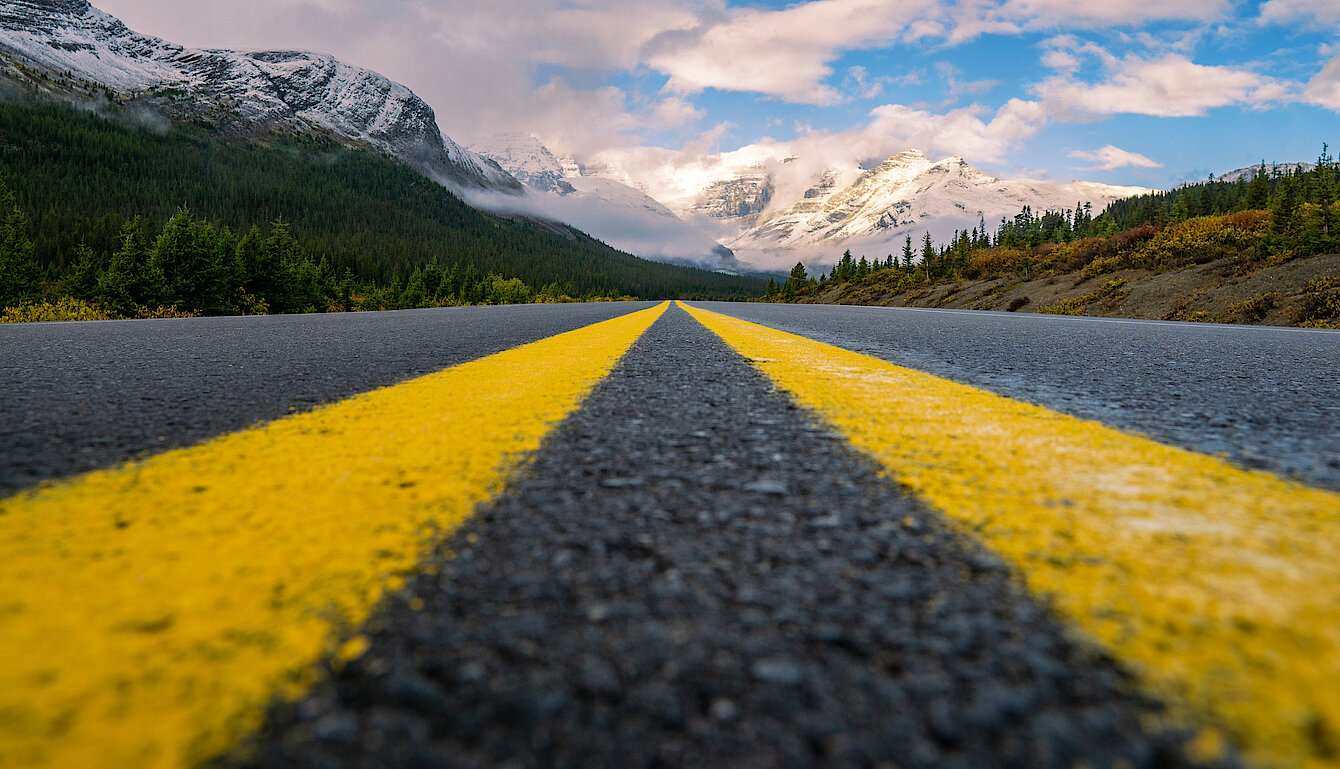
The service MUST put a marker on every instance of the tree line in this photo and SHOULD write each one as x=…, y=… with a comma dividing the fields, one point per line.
x=359, y=222
x=194, y=267
x=1270, y=216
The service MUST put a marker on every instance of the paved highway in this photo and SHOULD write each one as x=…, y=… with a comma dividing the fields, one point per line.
x=1265, y=396
x=669, y=538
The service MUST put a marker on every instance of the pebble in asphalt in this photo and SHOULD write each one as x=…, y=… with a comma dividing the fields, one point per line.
x=692, y=574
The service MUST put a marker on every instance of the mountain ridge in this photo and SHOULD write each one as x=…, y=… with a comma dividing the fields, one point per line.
x=624, y=216
x=906, y=194
x=54, y=42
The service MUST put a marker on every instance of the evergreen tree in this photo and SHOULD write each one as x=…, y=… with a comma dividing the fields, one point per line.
x=82, y=281
x=19, y=270
x=907, y=252
x=1285, y=208
x=1258, y=191
x=132, y=281
x=264, y=275
x=796, y=281
x=195, y=268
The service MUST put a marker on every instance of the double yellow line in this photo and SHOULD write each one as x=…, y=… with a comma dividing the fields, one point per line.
x=149, y=612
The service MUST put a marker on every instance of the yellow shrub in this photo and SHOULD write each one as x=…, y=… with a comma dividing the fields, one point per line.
x=61, y=309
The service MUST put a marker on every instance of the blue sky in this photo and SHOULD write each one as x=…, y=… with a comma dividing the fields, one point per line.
x=1145, y=92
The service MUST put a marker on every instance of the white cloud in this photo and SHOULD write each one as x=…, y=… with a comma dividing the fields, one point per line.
x=1061, y=61
x=675, y=177
x=781, y=53
x=1308, y=11
x=674, y=112
x=474, y=61
x=1323, y=89
x=1169, y=86
x=1047, y=14
x=1110, y=158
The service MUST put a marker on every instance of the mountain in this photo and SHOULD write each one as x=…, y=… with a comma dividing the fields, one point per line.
x=1271, y=170
x=873, y=210
x=617, y=213
x=69, y=46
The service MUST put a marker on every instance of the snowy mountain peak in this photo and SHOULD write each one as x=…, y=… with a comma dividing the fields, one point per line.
x=237, y=92
x=906, y=194
x=621, y=215
x=526, y=158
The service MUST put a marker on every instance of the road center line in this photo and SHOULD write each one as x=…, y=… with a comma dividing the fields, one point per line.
x=152, y=610
x=1219, y=586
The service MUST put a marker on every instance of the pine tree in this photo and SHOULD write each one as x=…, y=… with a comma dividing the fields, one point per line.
x=796, y=281
x=19, y=270
x=1258, y=191
x=194, y=269
x=907, y=252
x=81, y=282
x=264, y=275
x=132, y=281
x=1285, y=208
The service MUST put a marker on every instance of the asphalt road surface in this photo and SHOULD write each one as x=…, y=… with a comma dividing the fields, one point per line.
x=1267, y=397
x=78, y=396
x=693, y=570
x=693, y=574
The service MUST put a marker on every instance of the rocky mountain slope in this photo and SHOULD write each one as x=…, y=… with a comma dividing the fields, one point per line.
x=873, y=210
x=68, y=45
x=621, y=215
x=1271, y=169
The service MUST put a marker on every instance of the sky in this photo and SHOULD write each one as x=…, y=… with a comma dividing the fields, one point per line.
x=1141, y=92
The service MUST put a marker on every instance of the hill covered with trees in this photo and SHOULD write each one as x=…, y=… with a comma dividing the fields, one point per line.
x=143, y=220
x=1215, y=234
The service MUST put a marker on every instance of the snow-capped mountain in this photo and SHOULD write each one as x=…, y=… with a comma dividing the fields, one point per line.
x=741, y=198
x=874, y=209
x=69, y=43
x=621, y=215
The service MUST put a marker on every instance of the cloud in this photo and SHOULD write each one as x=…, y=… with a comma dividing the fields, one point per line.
x=474, y=61
x=1323, y=90
x=1049, y=14
x=786, y=54
x=1110, y=158
x=1169, y=86
x=1062, y=61
x=676, y=176
x=1307, y=11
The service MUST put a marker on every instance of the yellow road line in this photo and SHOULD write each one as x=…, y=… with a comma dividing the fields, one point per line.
x=1219, y=586
x=149, y=612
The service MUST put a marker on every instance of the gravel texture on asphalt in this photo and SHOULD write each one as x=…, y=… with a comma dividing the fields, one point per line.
x=78, y=396
x=693, y=574
x=1265, y=397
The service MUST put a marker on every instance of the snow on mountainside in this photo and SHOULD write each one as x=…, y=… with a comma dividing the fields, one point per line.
x=607, y=208
x=907, y=194
x=527, y=160
x=246, y=92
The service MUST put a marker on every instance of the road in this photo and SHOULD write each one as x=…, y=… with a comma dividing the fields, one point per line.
x=77, y=396
x=709, y=544
x=1265, y=396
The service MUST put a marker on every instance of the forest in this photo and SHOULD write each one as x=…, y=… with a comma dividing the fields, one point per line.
x=106, y=216
x=1266, y=219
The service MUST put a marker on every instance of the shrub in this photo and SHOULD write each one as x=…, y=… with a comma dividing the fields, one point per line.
x=1254, y=309
x=60, y=310
x=1067, y=306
